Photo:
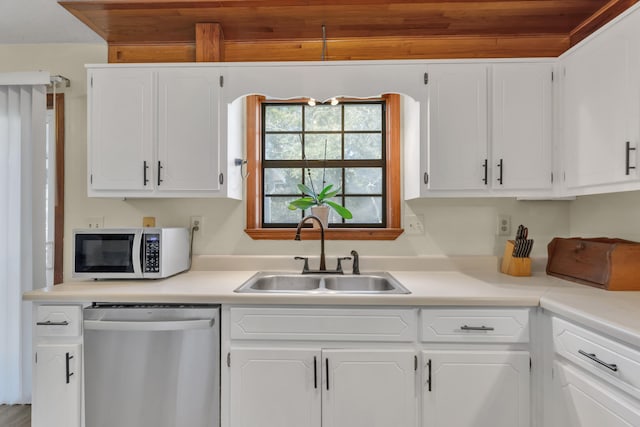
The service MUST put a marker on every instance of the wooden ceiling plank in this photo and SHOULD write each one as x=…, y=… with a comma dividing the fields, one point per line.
x=605, y=14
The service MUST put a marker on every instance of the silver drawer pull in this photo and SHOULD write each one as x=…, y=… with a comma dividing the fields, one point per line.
x=476, y=328
x=50, y=323
x=593, y=357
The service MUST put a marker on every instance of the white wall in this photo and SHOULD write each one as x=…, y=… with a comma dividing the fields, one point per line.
x=452, y=226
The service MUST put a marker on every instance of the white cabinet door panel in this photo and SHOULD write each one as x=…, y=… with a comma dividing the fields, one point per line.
x=369, y=388
x=521, y=131
x=121, y=126
x=601, y=107
x=582, y=401
x=275, y=387
x=57, y=389
x=188, y=149
x=475, y=389
x=457, y=108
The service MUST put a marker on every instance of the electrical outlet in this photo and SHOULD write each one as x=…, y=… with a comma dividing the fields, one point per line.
x=503, y=225
x=94, y=222
x=413, y=225
x=196, y=223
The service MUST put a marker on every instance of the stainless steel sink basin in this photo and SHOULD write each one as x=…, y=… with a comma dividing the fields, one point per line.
x=285, y=282
x=372, y=283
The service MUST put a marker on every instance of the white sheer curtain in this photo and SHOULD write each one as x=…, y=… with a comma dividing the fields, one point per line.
x=22, y=215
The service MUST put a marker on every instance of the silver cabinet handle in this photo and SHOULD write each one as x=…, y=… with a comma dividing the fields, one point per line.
x=50, y=323
x=592, y=356
x=476, y=328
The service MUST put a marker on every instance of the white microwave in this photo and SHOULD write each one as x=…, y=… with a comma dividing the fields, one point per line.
x=130, y=253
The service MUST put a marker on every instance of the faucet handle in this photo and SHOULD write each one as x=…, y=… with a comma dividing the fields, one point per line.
x=305, y=269
x=340, y=259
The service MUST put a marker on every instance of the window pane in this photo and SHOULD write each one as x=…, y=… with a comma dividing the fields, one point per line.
x=314, y=146
x=363, y=146
x=362, y=117
x=282, y=181
x=323, y=118
x=332, y=176
x=366, y=210
x=283, y=118
x=286, y=146
x=363, y=180
x=276, y=210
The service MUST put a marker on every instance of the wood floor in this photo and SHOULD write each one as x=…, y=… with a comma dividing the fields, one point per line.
x=15, y=415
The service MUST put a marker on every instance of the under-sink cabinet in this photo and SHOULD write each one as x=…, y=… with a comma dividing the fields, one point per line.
x=57, y=366
x=350, y=367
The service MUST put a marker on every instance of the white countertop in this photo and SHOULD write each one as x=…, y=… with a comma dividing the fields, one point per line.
x=449, y=284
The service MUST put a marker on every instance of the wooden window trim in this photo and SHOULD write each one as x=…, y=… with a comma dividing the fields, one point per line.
x=254, y=182
x=58, y=249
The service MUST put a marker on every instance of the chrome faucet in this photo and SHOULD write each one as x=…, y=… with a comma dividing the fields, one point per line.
x=356, y=262
x=323, y=264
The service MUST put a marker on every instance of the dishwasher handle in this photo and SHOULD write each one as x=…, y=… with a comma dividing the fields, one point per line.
x=162, y=325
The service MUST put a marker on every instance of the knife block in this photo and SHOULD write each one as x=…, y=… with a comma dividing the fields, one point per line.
x=514, y=266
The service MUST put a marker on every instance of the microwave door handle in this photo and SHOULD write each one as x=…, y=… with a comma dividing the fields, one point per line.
x=167, y=325
x=137, y=253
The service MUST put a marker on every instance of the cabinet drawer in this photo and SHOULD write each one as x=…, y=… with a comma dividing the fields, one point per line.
x=398, y=325
x=475, y=325
x=608, y=359
x=58, y=321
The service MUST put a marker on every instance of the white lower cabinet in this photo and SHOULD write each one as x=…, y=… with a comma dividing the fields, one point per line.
x=57, y=366
x=474, y=388
x=369, y=388
x=580, y=400
x=57, y=395
x=292, y=387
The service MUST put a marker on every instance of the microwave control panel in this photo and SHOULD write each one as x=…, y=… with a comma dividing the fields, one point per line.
x=151, y=253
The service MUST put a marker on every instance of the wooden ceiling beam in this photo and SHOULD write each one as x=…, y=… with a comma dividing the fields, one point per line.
x=209, y=42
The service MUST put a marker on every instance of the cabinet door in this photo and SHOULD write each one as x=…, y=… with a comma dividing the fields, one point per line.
x=275, y=387
x=457, y=126
x=521, y=131
x=57, y=386
x=369, y=388
x=582, y=401
x=475, y=389
x=601, y=101
x=188, y=135
x=121, y=129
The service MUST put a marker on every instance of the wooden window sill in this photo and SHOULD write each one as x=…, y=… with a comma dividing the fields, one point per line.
x=330, y=234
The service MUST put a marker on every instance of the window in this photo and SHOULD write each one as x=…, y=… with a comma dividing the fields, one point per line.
x=354, y=145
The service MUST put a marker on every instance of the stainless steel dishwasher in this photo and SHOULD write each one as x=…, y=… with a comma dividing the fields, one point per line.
x=152, y=365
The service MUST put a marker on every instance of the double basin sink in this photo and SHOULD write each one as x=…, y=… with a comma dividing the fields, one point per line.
x=373, y=283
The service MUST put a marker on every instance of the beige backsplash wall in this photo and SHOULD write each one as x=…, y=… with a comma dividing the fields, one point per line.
x=452, y=226
x=606, y=215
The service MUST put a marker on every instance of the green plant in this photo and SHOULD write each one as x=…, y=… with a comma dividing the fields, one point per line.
x=311, y=198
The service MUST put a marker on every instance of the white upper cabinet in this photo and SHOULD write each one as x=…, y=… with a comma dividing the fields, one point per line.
x=121, y=129
x=486, y=131
x=521, y=142
x=156, y=132
x=457, y=127
x=601, y=114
